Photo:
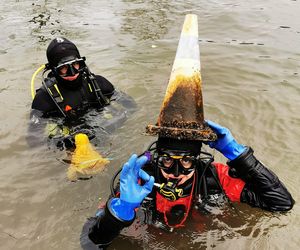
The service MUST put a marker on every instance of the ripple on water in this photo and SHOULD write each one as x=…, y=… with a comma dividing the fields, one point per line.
x=250, y=84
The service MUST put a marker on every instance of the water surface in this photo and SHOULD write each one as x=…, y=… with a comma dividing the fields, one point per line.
x=250, y=59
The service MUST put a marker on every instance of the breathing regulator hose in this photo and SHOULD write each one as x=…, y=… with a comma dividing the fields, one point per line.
x=32, y=80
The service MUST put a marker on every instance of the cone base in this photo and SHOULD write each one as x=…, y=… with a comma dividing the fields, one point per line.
x=205, y=134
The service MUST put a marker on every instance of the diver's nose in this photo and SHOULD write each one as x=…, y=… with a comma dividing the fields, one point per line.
x=72, y=70
x=176, y=170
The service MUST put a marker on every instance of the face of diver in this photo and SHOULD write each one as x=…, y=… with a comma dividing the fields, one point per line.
x=69, y=70
x=64, y=58
x=178, y=165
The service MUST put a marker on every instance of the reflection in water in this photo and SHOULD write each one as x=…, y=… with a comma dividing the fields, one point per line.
x=203, y=230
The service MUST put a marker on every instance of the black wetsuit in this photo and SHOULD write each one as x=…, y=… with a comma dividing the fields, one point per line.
x=76, y=94
x=79, y=107
x=260, y=188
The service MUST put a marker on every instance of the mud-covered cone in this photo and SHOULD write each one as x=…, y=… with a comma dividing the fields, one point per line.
x=85, y=160
x=181, y=115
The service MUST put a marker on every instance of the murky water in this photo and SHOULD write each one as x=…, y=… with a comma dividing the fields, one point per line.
x=250, y=56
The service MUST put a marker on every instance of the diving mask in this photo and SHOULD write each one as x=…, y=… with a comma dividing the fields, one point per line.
x=180, y=163
x=70, y=68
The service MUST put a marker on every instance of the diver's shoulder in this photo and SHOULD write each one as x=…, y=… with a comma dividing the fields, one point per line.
x=42, y=101
x=106, y=86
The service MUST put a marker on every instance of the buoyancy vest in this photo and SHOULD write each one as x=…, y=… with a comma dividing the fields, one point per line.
x=67, y=100
x=231, y=186
x=165, y=206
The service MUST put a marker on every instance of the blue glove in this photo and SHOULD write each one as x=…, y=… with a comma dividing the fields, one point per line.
x=225, y=143
x=131, y=192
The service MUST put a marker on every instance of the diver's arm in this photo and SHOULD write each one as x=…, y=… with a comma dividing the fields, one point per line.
x=106, y=226
x=43, y=102
x=263, y=188
x=105, y=85
x=36, y=129
x=41, y=129
x=120, y=97
x=125, y=100
x=120, y=212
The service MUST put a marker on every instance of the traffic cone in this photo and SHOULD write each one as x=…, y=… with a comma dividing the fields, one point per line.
x=181, y=114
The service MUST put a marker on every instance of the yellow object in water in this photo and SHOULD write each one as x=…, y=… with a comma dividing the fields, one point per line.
x=85, y=160
x=55, y=130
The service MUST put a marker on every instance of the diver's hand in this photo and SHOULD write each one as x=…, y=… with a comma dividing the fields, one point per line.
x=225, y=143
x=131, y=192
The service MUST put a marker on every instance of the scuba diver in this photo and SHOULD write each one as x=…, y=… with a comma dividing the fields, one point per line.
x=70, y=90
x=173, y=177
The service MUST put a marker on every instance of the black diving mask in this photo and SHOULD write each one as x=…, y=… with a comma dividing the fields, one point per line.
x=71, y=67
x=179, y=163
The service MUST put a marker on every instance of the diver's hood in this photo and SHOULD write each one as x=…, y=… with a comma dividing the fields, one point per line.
x=59, y=50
